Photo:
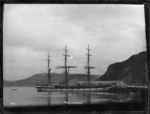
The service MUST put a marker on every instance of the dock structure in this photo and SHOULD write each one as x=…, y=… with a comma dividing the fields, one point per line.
x=88, y=67
x=66, y=67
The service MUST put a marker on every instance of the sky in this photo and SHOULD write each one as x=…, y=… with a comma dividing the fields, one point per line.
x=30, y=31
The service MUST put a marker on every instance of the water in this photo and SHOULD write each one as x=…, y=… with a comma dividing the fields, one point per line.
x=28, y=96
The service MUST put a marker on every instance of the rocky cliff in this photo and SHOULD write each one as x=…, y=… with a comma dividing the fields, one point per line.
x=131, y=71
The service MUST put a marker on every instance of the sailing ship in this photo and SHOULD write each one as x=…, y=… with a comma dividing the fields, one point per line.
x=66, y=87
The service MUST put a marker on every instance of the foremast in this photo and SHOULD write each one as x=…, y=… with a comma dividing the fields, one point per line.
x=49, y=69
x=66, y=67
x=88, y=67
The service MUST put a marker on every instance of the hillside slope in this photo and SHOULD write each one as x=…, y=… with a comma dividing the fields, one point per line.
x=41, y=79
x=131, y=71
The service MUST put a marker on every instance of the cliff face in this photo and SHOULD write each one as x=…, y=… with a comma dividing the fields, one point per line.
x=131, y=71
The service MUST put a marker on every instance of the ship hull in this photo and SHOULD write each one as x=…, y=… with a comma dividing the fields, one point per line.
x=75, y=89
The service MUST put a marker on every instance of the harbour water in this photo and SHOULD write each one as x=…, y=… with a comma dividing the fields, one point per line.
x=28, y=96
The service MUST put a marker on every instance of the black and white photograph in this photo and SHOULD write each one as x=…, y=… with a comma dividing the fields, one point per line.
x=80, y=55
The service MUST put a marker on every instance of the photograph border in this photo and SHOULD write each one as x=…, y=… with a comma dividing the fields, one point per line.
x=67, y=109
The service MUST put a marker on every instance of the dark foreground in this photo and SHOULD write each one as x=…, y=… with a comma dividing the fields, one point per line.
x=111, y=107
x=127, y=106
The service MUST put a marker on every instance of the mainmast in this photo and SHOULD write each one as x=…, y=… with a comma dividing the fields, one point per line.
x=66, y=74
x=88, y=67
x=66, y=67
x=48, y=68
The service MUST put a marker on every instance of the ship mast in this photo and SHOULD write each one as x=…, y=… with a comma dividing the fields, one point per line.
x=88, y=67
x=48, y=68
x=66, y=67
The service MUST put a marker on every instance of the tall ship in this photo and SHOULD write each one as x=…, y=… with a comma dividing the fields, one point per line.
x=80, y=86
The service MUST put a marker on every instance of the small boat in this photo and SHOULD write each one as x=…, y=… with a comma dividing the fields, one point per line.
x=14, y=89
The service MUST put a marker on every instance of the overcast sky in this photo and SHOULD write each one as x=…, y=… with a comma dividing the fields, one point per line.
x=114, y=33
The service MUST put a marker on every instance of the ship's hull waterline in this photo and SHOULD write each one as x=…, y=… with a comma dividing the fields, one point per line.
x=44, y=89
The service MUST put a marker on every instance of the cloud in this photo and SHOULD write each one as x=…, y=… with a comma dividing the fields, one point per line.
x=30, y=31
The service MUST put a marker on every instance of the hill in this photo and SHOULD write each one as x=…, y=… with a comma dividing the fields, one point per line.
x=41, y=79
x=131, y=71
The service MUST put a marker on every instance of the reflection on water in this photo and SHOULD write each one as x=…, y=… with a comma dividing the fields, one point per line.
x=24, y=96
